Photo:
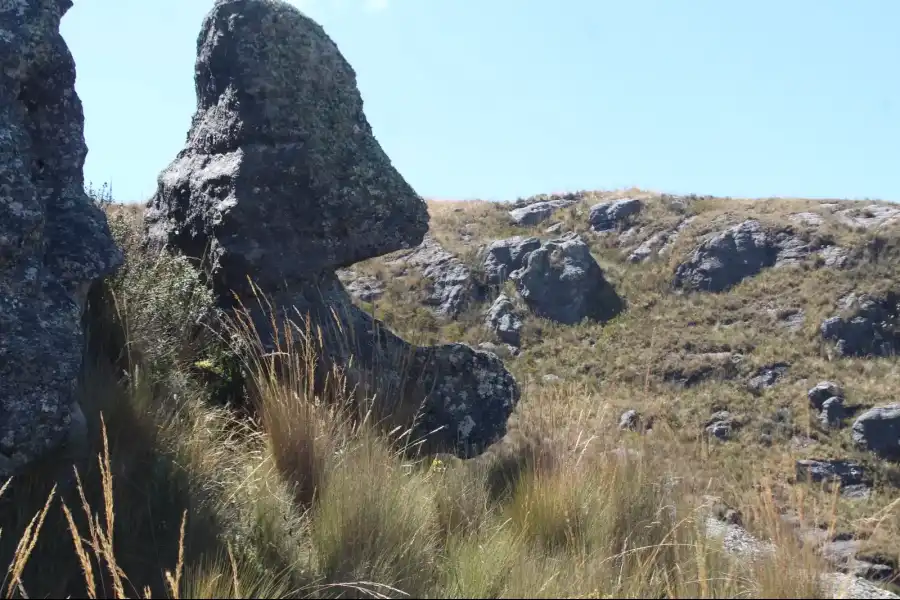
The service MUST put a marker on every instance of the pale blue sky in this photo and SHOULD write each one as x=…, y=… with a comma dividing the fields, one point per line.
x=503, y=98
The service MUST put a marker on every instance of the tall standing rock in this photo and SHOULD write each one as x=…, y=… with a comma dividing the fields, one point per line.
x=53, y=240
x=282, y=182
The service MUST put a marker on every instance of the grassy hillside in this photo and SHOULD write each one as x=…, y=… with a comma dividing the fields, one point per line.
x=188, y=498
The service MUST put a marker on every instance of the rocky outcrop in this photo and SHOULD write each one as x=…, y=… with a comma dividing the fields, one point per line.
x=562, y=282
x=363, y=288
x=504, y=321
x=281, y=183
x=767, y=376
x=878, y=430
x=844, y=472
x=871, y=329
x=54, y=241
x=538, y=212
x=608, y=216
x=451, y=285
x=502, y=257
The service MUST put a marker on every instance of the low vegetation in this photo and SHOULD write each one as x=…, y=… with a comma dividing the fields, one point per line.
x=187, y=495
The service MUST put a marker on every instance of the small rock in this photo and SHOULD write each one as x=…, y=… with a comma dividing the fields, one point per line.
x=504, y=321
x=551, y=378
x=842, y=471
x=833, y=412
x=630, y=420
x=554, y=229
x=822, y=392
x=502, y=257
x=767, y=376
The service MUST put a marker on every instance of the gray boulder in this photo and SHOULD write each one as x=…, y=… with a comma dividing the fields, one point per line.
x=740, y=251
x=833, y=413
x=54, y=241
x=281, y=183
x=502, y=257
x=822, y=391
x=630, y=420
x=767, y=376
x=721, y=425
x=504, y=321
x=878, y=430
x=872, y=328
x=845, y=472
x=607, y=216
x=537, y=213
x=451, y=286
x=562, y=282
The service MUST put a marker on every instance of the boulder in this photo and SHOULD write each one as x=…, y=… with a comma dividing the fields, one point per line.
x=872, y=328
x=562, y=282
x=740, y=251
x=878, y=430
x=833, y=413
x=630, y=420
x=845, y=472
x=281, y=183
x=502, y=257
x=721, y=425
x=537, y=213
x=822, y=391
x=54, y=240
x=503, y=319
x=608, y=216
x=767, y=376
x=451, y=286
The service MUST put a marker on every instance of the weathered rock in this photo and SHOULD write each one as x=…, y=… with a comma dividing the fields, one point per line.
x=844, y=472
x=451, y=286
x=551, y=378
x=740, y=251
x=502, y=257
x=878, y=430
x=721, y=425
x=281, y=182
x=54, y=241
x=607, y=216
x=873, y=329
x=649, y=247
x=362, y=287
x=767, y=376
x=554, y=229
x=835, y=257
x=869, y=217
x=833, y=413
x=630, y=420
x=503, y=319
x=562, y=282
x=687, y=370
x=822, y=391
x=537, y=213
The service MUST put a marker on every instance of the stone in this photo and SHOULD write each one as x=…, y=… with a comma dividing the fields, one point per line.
x=731, y=256
x=767, y=376
x=877, y=430
x=280, y=184
x=502, y=257
x=562, y=282
x=503, y=319
x=835, y=257
x=833, y=413
x=844, y=472
x=554, y=229
x=822, y=391
x=872, y=328
x=608, y=216
x=721, y=425
x=54, y=240
x=630, y=420
x=551, y=378
x=451, y=285
x=649, y=247
x=363, y=288
x=869, y=217
x=537, y=213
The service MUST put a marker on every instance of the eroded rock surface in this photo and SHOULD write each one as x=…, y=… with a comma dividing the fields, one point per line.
x=281, y=182
x=54, y=241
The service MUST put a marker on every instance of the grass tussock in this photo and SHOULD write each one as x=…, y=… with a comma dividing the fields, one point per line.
x=183, y=497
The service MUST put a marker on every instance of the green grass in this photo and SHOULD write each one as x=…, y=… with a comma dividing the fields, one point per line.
x=184, y=497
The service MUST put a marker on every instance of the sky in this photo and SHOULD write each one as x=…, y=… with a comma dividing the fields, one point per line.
x=499, y=99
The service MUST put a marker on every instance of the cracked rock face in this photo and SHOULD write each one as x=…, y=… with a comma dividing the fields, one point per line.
x=54, y=241
x=282, y=182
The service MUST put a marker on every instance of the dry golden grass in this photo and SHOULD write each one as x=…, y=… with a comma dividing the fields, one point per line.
x=182, y=498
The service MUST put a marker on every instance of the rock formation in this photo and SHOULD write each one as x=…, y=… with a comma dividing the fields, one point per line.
x=54, y=241
x=281, y=182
